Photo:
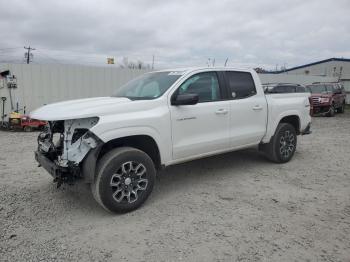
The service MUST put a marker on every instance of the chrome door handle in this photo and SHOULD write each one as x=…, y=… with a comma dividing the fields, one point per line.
x=221, y=111
x=257, y=107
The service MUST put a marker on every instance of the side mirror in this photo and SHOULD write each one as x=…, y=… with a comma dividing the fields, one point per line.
x=184, y=99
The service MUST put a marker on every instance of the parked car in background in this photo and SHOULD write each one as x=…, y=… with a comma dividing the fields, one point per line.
x=279, y=88
x=327, y=98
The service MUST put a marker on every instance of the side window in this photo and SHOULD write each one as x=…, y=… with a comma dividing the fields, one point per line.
x=300, y=89
x=285, y=89
x=241, y=84
x=205, y=85
x=279, y=89
x=291, y=89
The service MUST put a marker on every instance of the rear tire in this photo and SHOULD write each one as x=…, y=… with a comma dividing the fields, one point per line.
x=125, y=179
x=282, y=145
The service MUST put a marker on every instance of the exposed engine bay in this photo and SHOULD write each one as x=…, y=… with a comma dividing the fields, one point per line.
x=65, y=143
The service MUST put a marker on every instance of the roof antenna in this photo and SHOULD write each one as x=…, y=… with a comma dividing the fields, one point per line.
x=208, y=62
x=226, y=62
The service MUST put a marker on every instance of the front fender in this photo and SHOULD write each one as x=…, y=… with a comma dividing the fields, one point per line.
x=90, y=161
x=163, y=145
x=89, y=164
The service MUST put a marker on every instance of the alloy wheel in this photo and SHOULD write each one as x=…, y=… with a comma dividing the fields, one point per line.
x=287, y=144
x=129, y=182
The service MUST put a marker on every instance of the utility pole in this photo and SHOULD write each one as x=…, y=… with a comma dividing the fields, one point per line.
x=28, y=54
x=152, y=62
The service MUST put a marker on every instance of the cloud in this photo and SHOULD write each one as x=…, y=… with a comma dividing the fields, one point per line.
x=178, y=33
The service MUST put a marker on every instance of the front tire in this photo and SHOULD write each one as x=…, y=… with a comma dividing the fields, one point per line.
x=282, y=145
x=27, y=129
x=341, y=109
x=331, y=111
x=125, y=179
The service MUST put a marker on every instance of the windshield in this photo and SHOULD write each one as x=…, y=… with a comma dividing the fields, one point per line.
x=317, y=89
x=147, y=86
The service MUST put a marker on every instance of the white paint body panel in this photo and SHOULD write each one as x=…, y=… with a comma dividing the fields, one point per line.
x=282, y=105
x=80, y=108
x=201, y=128
x=248, y=118
x=247, y=122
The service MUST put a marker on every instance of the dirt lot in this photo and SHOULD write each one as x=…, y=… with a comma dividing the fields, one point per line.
x=233, y=207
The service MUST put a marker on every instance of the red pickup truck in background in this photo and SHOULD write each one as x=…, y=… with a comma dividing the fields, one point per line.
x=327, y=98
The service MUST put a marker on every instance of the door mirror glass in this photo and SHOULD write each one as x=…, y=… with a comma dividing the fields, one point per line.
x=185, y=99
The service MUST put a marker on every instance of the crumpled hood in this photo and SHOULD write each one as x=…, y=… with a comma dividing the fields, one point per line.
x=80, y=108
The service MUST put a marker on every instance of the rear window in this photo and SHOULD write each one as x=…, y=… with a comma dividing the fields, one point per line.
x=241, y=84
x=284, y=89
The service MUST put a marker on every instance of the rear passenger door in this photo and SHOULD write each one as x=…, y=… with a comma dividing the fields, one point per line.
x=248, y=109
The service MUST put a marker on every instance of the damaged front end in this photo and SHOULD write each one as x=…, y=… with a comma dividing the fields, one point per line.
x=64, y=145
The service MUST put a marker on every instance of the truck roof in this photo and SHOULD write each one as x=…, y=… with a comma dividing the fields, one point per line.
x=191, y=69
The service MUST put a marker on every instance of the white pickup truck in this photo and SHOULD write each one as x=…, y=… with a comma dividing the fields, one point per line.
x=162, y=118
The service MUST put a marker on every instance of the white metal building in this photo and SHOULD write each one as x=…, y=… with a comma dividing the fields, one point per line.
x=38, y=85
x=337, y=68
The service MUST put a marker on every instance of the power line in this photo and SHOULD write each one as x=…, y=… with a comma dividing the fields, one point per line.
x=9, y=48
x=8, y=55
x=49, y=57
x=10, y=61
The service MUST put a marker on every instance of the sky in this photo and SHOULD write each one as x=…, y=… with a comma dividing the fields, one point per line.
x=177, y=33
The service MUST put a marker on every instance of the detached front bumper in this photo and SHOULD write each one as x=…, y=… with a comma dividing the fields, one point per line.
x=60, y=174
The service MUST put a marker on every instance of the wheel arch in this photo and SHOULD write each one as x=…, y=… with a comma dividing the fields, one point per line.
x=291, y=117
x=145, y=143
x=294, y=120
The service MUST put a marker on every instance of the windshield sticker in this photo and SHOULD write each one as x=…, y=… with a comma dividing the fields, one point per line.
x=176, y=73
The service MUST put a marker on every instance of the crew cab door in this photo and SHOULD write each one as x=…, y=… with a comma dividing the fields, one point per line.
x=202, y=128
x=248, y=109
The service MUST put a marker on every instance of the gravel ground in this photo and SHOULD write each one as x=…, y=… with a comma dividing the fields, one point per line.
x=233, y=207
